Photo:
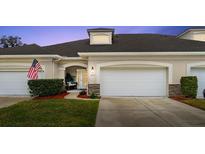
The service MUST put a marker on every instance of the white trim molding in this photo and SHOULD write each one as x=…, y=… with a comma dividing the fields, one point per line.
x=191, y=53
x=19, y=66
x=198, y=64
x=56, y=57
x=30, y=56
x=72, y=58
x=63, y=67
x=189, y=30
x=115, y=63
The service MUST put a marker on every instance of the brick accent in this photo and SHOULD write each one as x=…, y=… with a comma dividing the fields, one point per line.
x=175, y=90
x=94, y=88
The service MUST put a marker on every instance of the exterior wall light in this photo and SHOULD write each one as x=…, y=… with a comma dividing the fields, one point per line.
x=92, y=70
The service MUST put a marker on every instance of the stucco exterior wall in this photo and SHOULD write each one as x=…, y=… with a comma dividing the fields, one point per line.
x=178, y=63
x=56, y=69
x=51, y=67
x=23, y=64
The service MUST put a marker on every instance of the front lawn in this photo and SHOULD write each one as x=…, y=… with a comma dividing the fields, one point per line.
x=199, y=103
x=50, y=113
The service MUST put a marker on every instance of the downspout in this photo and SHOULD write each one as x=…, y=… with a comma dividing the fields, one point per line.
x=53, y=62
x=53, y=69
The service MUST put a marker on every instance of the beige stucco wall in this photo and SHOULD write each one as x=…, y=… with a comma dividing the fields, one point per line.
x=56, y=68
x=177, y=63
x=198, y=35
x=23, y=64
x=53, y=68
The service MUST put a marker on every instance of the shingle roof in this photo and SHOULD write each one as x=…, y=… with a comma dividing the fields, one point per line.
x=121, y=43
x=131, y=43
x=23, y=50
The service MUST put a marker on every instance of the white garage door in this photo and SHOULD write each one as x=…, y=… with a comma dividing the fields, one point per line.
x=133, y=82
x=200, y=73
x=14, y=83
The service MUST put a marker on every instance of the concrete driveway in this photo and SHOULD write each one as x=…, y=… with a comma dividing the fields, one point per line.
x=147, y=112
x=7, y=101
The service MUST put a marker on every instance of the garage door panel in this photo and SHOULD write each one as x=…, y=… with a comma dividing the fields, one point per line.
x=200, y=73
x=15, y=83
x=133, y=82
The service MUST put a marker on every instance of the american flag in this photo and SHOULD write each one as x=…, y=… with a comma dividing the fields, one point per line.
x=33, y=71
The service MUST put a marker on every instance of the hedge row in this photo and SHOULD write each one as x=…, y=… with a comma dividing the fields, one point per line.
x=189, y=86
x=45, y=87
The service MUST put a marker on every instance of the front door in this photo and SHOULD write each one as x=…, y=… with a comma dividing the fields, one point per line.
x=82, y=78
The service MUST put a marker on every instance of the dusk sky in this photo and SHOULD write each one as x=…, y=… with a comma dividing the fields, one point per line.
x=47, y=35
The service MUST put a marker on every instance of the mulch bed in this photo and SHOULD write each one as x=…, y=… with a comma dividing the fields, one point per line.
x=83, y=96
x=86, y=97
x=179, y=98
x=59, y=96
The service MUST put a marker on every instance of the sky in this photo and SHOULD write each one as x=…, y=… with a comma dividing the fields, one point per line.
x=48, y=35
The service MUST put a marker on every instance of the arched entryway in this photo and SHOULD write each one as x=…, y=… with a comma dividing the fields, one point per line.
x=76, y=77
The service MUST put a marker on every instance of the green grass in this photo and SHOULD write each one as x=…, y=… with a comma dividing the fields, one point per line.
x=199, y=103
x=50, y=113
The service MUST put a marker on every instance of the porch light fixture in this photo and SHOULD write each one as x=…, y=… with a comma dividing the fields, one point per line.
x=92, y=70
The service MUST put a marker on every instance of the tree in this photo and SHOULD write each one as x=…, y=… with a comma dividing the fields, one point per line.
x=10, y=41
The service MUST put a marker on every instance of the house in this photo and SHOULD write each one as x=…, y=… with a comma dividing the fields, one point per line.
x=111, y=65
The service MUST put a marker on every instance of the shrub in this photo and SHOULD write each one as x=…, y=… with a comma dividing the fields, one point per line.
x=189, y=86
x=93, y=95
x=46, y=87
x=83, y=92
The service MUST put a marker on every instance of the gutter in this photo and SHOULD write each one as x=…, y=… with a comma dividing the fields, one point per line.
x=178, y=53
x=30, y=56
x=56, y=57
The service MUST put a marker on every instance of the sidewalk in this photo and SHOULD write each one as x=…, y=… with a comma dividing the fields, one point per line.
x=72, y=95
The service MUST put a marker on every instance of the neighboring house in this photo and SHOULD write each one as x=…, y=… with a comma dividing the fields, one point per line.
x=111, y=65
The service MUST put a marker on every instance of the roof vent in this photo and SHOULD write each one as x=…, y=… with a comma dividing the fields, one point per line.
x=101, y=36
